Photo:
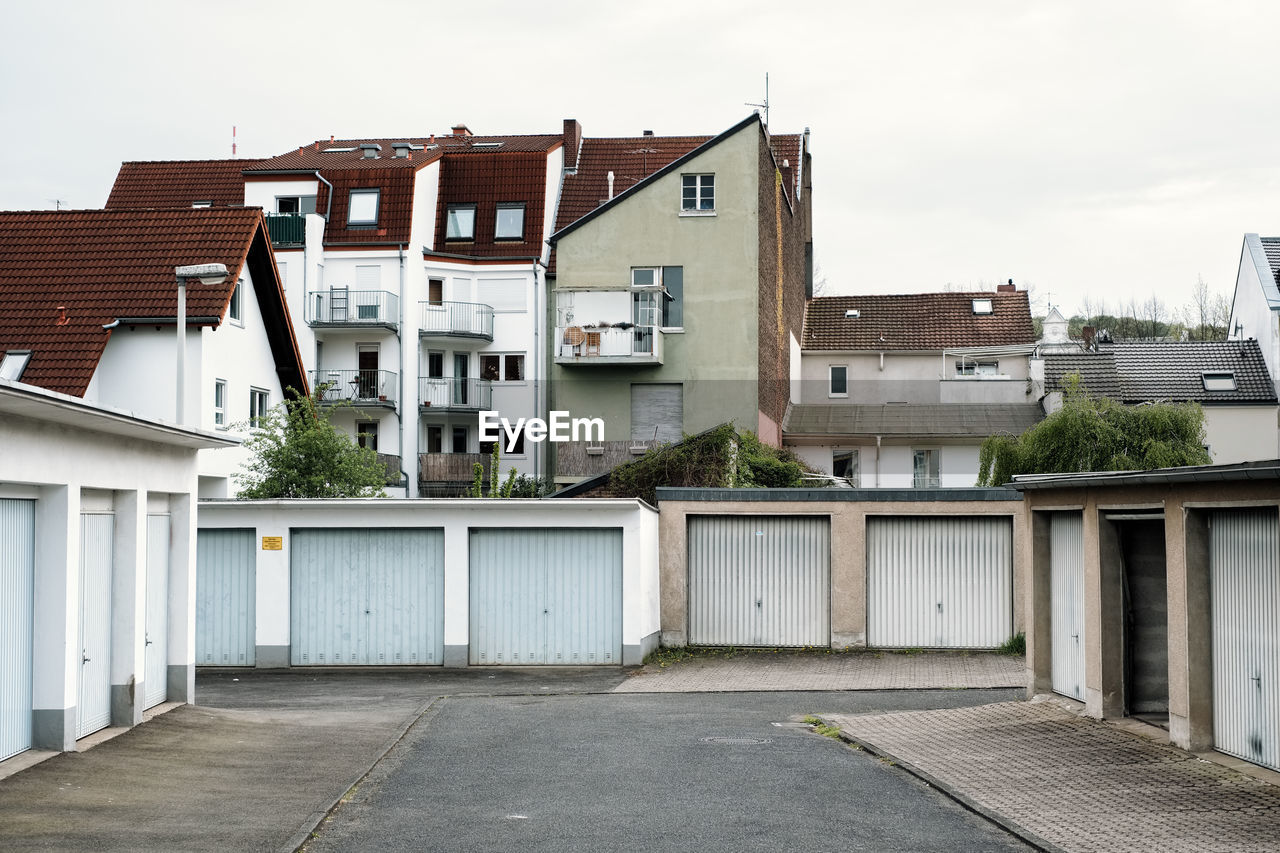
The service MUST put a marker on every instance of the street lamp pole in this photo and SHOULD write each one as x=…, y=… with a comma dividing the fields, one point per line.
x=206, y=274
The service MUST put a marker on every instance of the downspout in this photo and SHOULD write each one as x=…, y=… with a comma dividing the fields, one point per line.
x=328, y=207
x=877, y=461
x=537, y=361
x=401, y=403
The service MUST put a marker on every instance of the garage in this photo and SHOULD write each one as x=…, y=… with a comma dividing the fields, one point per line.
x=225, y=598
x=759, y=580
x=1066, y=579
x=17, y=585
x=1244, y=587
x=939, y=582
x=367, y=597
x=550, y=596
x=155, y=685
x=97, y=547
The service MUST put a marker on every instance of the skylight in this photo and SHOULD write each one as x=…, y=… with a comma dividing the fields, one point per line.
x=338, y=150
x=983, y=306
x=1223, y=381
x=487, y=144
x=13, y=363
x=851, y=314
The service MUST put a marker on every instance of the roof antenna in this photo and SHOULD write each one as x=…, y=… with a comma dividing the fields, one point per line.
x=765, y=105
x=57, y=203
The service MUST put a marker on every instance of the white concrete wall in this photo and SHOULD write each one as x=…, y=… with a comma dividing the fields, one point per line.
x=910, y=377
x=639, y=524
x=263, y=194
x=1241, y=433
x=1250, y=308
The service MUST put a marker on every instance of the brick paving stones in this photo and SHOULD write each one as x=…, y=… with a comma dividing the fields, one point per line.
x=768, y=671
x=1076, y=783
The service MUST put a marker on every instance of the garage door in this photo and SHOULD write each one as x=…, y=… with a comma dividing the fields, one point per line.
x=1245, y=591
x=155, y=674
x=759, y=581
x=226, y=633
x=550, y=596
x=939, y=582
x=17, y=576
x=1066, y=590
x=372, y=597
x=97, y=546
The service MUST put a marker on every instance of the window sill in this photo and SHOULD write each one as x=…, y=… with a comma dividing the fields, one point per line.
x=837, y=396
x=697, y=213
x=671, y=330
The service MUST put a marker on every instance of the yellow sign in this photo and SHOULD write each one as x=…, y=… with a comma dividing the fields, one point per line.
x=272, y=543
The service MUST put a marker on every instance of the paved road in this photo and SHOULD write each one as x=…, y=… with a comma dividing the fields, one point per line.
x=637, y=772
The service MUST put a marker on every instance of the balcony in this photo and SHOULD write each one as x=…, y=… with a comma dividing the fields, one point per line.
x=619, y=344
x=392, y=464
x=287, y=230
x=447, y=394
x=363, y=388
x=340, y=307
x=443, y=469
x=455, y=320
x=580, y=460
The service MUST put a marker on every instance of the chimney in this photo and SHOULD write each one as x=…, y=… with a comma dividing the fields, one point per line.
x=572, y=142
x=648, y=133
x=331, y=139
x=461, y=130
x=610, y=179
x=402, y=149
x=62, y=316
x=369, y=150
x=1007, y=288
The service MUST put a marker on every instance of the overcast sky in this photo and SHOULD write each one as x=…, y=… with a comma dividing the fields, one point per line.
x=1106, y=149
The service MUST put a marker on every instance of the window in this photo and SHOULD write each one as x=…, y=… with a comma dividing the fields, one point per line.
x=367, y=434
x=233, y=311
x=670, y=305
x=697, y=193
x=297, y=204
x=362, y=207
x=845, y=464
x=459, y=439
x=983, y=306
x=924, y=469
x=220, y=402
x=499, y=367
x=1224, y=381
x=977, y=368
x=259, y=403
x=504, y=446
x=460, y=222
x=435, y=365
x=435, y=442
x=510, y=224
x=839, y=385
x=202, y=204
x=13, y=363
x=435, y=291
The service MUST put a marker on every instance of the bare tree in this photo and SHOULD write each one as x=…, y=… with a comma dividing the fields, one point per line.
x=1153, y=313
x=821, y=287
x=1207, y=314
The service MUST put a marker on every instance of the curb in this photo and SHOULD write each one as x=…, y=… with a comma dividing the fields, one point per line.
x=953, y=793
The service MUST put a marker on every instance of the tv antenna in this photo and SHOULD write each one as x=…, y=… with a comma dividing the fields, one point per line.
x=765, y=105
x=57, y=202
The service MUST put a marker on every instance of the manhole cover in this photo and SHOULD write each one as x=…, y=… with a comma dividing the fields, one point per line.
x=737, y=741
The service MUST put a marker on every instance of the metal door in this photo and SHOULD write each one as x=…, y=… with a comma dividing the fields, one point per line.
x=363, y=597
x=155, y=673
x=97, y=546
x=759, y=580
x=546, y=596
x=1066, y=603
x=1244, y=579
x=939, y=582
x=226, y=628
x=17, y=594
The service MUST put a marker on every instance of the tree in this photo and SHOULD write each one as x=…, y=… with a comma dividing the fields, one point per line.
x=1097, y=434
x=297, y=453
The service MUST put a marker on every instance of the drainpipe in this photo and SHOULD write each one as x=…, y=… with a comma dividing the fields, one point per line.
x=400, y=403
x=877, y=461
x=537, y=406
x=328, y=207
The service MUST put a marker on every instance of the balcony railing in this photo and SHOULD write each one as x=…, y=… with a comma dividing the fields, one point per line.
x=340, y=306
x=442, y=393
x=360, y=387
x=286, y=229
x=624, y=344
x=456, y=320
x=450, y=467
x=392, y=464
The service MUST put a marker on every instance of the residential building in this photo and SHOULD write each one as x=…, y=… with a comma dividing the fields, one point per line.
x=1229, y=380
x=1255, y=304
x=88, y=307
x=899, y=391
x=680, y=272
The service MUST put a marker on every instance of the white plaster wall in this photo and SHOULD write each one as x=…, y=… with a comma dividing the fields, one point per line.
x=1250, y=308
x=958, y=467
x=796, y=371
x=909, y=377
x=816, y=457
x=991, y=391
x=263, y=193
x=551, y=206
x=896, y=470
x=426, y=195
x=1241, y=433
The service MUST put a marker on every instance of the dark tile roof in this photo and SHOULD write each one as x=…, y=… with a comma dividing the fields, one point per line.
x=102, y=265
x=1142, y=371
x=1271, y=245
x=324, y=155
x=900, y=421
x=487, y=180
x=922, y=321
x=178, y=183
x=395, y=204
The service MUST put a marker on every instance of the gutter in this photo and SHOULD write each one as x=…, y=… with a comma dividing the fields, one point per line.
x=493, y=258
x=163, y=321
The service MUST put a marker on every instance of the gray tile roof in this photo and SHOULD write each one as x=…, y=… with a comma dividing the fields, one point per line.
x=1142, y=371
x=1271, y=245
x=899, y=420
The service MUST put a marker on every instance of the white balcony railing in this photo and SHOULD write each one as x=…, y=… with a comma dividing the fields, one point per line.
x=456, y=319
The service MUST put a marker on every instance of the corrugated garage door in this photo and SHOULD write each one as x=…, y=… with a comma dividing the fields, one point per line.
x=367, y=597
x=759, y=580
x=939, y=582
x=97, y=548
x=1245, y=592
x=226, y=630
x=549, y=596
x=17, y=590
x=155, y=674
x=1066, y=591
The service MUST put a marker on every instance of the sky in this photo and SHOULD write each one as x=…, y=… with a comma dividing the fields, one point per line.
x=1091, y=150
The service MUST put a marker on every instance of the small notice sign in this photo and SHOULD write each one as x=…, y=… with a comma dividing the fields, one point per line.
x=273, y=543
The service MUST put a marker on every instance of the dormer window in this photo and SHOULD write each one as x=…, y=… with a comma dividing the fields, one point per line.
x=697, y=193
x=983, y=306
x=510, y=224
x=202, y=204
x=460, y=222
x=13, y=363
x=1221, y=381
x=852, y=314
x=362, y=207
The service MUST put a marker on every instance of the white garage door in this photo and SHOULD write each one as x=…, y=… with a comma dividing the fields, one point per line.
x=759, y=581
x=939, y=582
x=1066, y=590
x=367, y=597
x=549, y=596
x=155, y=675
x=1245, y=591
x=226, y=632
x=17, y=576
x=97, y=547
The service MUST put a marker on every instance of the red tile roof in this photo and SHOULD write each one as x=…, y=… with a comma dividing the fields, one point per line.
x=178, y=183
x=102, y=265
x=487, y=180
x=395, y=205
x=324, y=155
x=921, y=321
x=786, y=150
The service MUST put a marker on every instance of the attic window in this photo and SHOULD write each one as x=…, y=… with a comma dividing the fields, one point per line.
x=338, y=150
x=13, y=363
x=487, y=144
x=363, y=207
x=983, y=306
x=852, y=314
x=1224, y=381
x=510, y=221
x=202, y=204
x=460, y=222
